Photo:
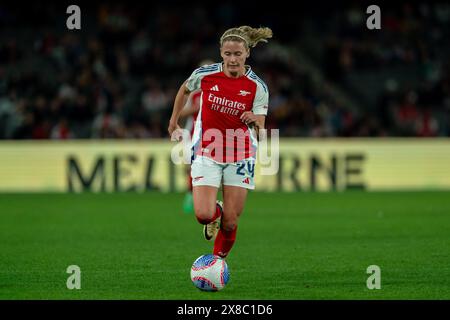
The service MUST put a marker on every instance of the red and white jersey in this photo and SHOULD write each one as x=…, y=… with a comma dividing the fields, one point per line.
x=223, y=100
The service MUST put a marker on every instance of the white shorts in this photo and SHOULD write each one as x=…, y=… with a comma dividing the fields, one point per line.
x=207, y=172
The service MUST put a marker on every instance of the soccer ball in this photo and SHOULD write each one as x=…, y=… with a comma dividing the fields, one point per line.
x=210, y=273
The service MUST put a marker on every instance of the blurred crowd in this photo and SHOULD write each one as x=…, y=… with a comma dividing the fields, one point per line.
x=413, y=42
x=118, y=76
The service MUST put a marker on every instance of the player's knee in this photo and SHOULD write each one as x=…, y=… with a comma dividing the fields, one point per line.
x=228, y=226
x=204, y=215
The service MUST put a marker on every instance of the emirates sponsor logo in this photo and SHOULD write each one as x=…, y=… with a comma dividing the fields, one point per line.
x=224, y=102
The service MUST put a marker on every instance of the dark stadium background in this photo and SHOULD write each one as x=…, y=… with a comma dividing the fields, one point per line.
x=328, y=74
x=332, y=81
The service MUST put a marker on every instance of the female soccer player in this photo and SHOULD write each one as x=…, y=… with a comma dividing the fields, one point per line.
x=233, y=106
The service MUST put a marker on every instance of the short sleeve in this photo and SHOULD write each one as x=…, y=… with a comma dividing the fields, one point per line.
x=193, y=82
x=261, y=101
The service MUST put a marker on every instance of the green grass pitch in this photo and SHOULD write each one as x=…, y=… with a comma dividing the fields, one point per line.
x=289, y=246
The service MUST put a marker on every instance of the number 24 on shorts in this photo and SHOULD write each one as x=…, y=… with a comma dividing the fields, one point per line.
x=250, y=168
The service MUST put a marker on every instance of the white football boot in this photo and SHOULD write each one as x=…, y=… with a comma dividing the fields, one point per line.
x=210, y=230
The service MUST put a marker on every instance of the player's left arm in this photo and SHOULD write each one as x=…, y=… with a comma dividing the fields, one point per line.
x=257, y=117
x=259, y=123
x=255, y=121
x=251, y=119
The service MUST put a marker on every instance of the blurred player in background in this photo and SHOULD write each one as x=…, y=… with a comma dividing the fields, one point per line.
x=233, y=105
x=190, y=112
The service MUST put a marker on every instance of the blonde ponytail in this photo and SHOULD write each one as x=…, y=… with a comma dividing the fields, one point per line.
x=250, y=36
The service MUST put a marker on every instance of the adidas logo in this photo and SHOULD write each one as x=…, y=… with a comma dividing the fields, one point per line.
x=246, y=180
x=215, y=88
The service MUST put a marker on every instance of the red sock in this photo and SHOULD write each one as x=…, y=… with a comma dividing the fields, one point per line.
x=217, y=214
x=224, y=242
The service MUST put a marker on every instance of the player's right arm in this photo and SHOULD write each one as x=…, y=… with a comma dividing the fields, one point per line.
x=180, y=101
x=190, y=107
x=190, y=85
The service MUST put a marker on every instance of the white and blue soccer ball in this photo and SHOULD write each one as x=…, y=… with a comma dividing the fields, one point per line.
x=210, y=273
